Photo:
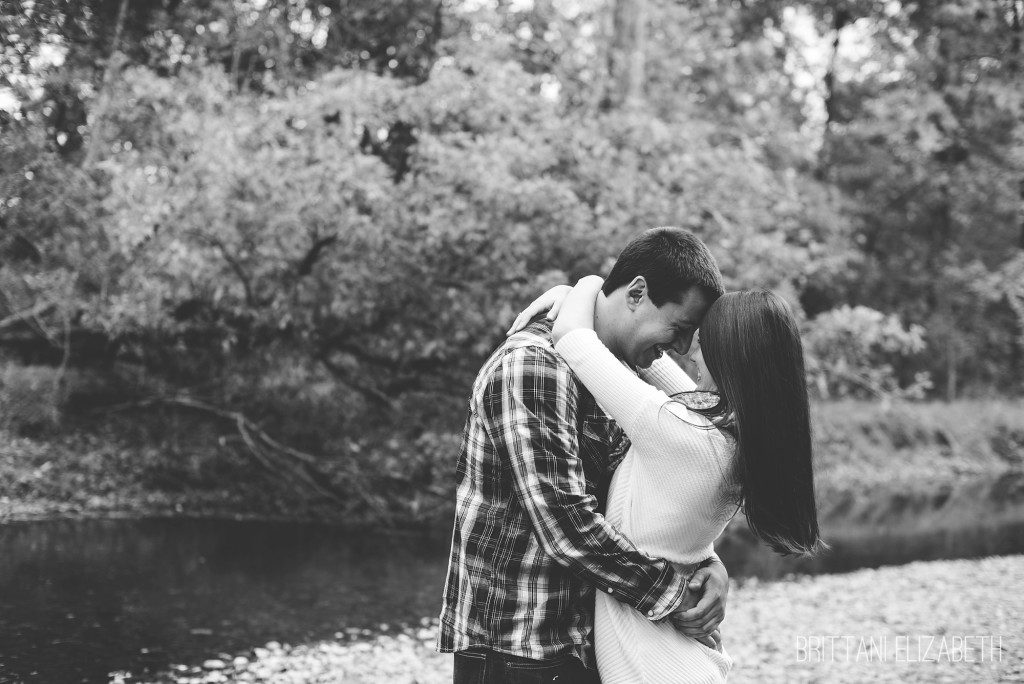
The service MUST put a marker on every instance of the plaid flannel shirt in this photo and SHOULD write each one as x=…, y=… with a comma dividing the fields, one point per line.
x=529, y=546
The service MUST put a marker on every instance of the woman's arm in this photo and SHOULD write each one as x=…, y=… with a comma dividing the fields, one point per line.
x=661, y=428
x=550, y=301
x=668, y=376
x=664, y=373
x=577, y=310
x=622, y=394
x=638, y=407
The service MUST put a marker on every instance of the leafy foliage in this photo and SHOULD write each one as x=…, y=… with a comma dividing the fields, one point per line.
x=853, y=351
x=326, y=214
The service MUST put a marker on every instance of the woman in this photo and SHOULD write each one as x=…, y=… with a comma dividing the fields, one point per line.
x=693, y=461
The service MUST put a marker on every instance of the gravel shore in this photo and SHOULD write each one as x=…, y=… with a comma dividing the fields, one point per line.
x=895, y=624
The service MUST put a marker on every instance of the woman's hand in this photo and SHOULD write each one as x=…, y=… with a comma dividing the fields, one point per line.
x=711, y=584
x=550, y=301
x=578, y=308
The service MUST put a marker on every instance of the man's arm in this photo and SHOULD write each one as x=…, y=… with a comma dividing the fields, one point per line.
x=530, y=404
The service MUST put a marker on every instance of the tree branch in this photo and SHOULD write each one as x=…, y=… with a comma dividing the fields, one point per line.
x=37, y=310
x=276, y=457
x=344, y=376
x=305, y=266
x=236, y=266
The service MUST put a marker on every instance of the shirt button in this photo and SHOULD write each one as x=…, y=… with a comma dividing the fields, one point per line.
x=650, y=613
x=610, y=590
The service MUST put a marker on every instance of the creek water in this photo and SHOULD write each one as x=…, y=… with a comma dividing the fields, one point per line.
x=81, y=599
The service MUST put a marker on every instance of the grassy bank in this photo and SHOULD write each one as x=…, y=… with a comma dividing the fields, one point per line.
x=914, y=447
x=911, y=456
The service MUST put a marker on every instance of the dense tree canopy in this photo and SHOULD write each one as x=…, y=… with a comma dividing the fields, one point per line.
x=313, y=203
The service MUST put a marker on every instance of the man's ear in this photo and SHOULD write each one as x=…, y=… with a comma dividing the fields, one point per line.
x=635, y=292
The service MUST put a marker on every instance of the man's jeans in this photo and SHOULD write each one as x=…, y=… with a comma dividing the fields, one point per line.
x=483, y=666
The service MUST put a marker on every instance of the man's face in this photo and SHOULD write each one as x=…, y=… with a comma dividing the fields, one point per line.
x=654, y=329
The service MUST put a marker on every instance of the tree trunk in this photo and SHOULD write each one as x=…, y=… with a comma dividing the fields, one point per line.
x=626, y=54
x=97, y=139
x=951, y=372
x=1016, y=24
x=839, y=21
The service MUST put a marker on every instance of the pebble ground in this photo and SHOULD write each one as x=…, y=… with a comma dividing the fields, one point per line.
x=939, y=621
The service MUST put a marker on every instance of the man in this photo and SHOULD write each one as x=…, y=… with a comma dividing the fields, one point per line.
x=529, y=545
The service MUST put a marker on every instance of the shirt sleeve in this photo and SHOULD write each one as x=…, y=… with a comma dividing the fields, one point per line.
x=666, y=375
x=647, y=414
x=530, y=405
x=617, y=389
x=663, y=430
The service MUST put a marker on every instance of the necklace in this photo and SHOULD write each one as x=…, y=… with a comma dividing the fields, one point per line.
x=698, y=399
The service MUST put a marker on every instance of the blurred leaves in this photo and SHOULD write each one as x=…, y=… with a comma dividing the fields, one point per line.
x=854, y=352
x=314, y=204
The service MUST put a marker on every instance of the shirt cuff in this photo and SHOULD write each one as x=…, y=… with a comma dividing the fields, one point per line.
x=666, y=596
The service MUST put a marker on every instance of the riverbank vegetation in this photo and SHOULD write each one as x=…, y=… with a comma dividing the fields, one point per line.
x=187, y=463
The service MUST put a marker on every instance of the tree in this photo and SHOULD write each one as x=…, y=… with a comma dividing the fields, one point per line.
x=626, y=54
x=933, y=144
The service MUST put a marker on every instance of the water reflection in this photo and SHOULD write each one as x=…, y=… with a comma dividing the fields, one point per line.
x=79, y=599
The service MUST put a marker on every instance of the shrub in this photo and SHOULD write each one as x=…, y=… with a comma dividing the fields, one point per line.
x=854, y=352
x=29, y=399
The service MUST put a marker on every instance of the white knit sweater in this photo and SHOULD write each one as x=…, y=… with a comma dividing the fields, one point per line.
x=671, y=496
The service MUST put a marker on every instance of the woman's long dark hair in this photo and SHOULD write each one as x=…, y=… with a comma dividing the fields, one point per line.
x=751, y=344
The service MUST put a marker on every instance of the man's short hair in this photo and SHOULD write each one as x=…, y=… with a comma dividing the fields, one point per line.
x=671, y=260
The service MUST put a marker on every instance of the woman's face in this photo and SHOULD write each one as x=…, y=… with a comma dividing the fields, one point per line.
x=705, y=383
